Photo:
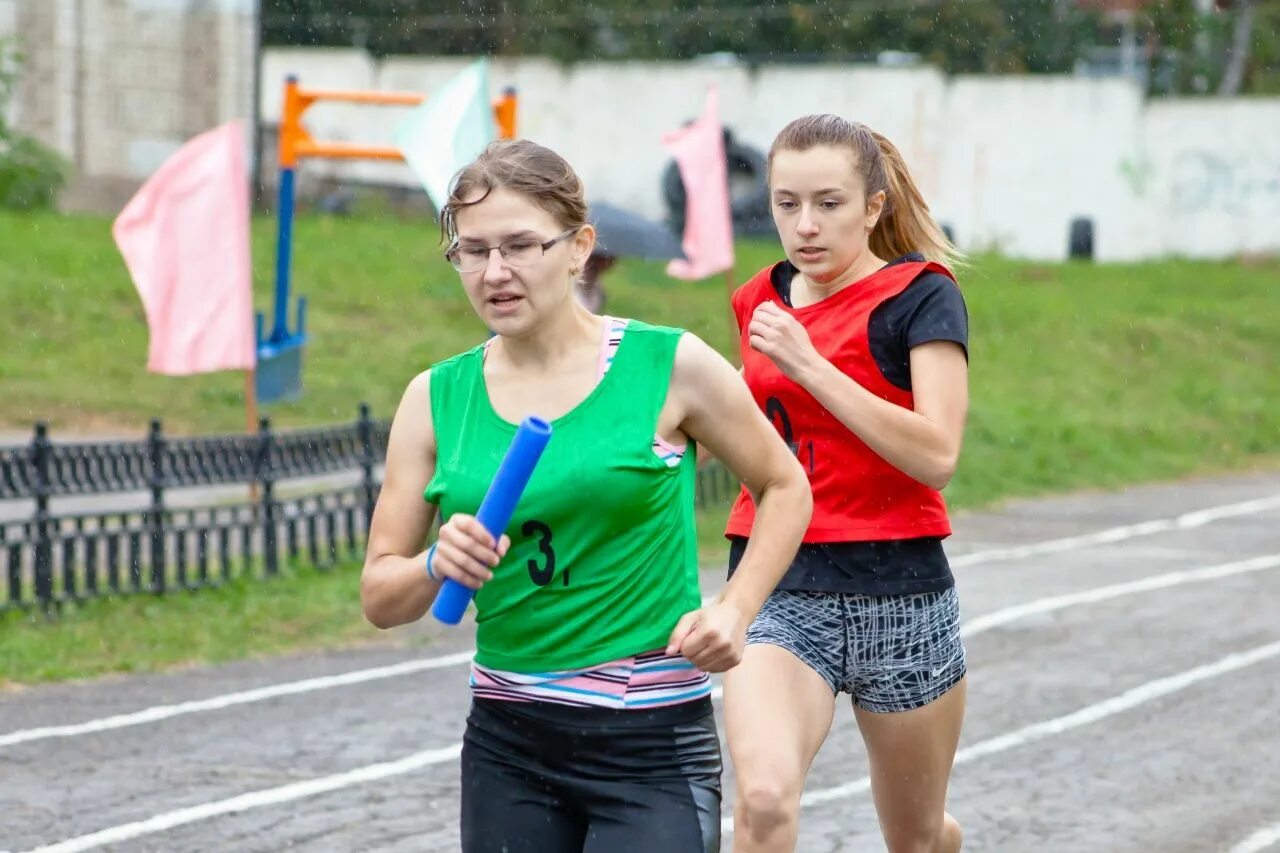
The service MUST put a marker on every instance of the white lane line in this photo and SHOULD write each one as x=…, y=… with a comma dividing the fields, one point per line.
x=1185, y=521
x=986, y=622
x=227, y=700
x=1130, y=699
x=254, y=800
x=1261, y=840
x=1147, y=692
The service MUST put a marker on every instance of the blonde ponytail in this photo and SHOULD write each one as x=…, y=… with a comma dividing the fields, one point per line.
x=906, y=225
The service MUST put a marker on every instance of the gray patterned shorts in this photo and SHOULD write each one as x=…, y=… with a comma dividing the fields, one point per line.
x=890, y=653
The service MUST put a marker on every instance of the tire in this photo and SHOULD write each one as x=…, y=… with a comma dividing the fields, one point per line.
x=1080, y=241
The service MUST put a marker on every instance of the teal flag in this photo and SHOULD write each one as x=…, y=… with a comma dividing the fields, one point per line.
x=449, y=130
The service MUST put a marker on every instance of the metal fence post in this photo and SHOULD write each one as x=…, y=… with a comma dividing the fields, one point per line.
x=266, y=441
x=40, y=452
x=155, y=515
x=364, y=428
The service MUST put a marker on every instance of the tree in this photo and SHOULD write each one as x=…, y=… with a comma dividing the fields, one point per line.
x=1238, y=49
x=960, y=36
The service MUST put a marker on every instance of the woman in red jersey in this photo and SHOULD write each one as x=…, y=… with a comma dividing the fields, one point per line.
x=855, y=346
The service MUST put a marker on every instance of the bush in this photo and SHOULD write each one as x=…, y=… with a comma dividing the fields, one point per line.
x=31, y=174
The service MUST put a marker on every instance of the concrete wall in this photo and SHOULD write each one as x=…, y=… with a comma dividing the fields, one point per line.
x=1210, y=172
x=1007, y=161
x=117, y=85
x=9, y=29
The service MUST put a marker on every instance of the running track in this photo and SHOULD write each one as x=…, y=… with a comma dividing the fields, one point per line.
x=1124, y=695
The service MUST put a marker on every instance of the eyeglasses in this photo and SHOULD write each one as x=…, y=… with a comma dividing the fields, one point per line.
x=516, y=252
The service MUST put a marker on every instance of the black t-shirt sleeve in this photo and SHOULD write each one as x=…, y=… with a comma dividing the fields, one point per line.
x=930, y=309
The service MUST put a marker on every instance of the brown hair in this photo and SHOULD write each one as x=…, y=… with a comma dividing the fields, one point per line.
x=905, y=225
x=525, y=167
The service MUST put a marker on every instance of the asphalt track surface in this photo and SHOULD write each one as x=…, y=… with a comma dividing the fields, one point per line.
x=1124, y=666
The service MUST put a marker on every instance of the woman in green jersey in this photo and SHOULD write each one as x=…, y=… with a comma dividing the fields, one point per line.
x=591, y=723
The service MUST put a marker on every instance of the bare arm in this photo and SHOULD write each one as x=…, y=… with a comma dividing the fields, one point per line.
x=923, y=442
x=719, y=414
x=394, y=587
x=705, y=456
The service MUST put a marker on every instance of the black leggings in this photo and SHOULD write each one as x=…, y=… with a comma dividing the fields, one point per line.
x=545, y=778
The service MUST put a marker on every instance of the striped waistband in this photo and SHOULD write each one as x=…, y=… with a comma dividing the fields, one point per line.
x=649, y=680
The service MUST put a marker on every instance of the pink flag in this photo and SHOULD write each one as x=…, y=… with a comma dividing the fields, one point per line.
x=708, y=226
x=185, y=240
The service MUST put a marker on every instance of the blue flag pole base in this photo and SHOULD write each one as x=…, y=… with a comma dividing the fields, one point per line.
x=279, y=373
x=278, y=376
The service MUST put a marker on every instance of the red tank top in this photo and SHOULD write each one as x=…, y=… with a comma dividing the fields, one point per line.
x=857, y=495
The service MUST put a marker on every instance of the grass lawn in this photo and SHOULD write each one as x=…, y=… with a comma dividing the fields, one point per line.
x=302, y=608
x=1083, y=376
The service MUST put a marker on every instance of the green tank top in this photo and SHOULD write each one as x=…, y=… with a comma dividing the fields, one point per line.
x=603, y=559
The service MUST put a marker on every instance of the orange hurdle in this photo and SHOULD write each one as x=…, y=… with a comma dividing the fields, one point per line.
x=279, y=374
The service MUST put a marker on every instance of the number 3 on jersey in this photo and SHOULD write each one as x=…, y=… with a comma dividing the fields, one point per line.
x=542, y=575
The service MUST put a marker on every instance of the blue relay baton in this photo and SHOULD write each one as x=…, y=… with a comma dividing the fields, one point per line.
x=497, y=507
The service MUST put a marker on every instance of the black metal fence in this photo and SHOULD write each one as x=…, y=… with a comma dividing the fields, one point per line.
x=47, y=559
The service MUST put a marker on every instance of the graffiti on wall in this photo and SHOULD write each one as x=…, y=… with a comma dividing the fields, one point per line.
x=1138, y=173
x=1204, y=181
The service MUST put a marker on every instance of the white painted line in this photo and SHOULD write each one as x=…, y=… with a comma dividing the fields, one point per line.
x=227, y=700
x=1186, y=521
x=988, y=621
x=1143, y=693
x=254, y=800
x=1128, y=700
x=1260, y=840
x=1052, y=546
